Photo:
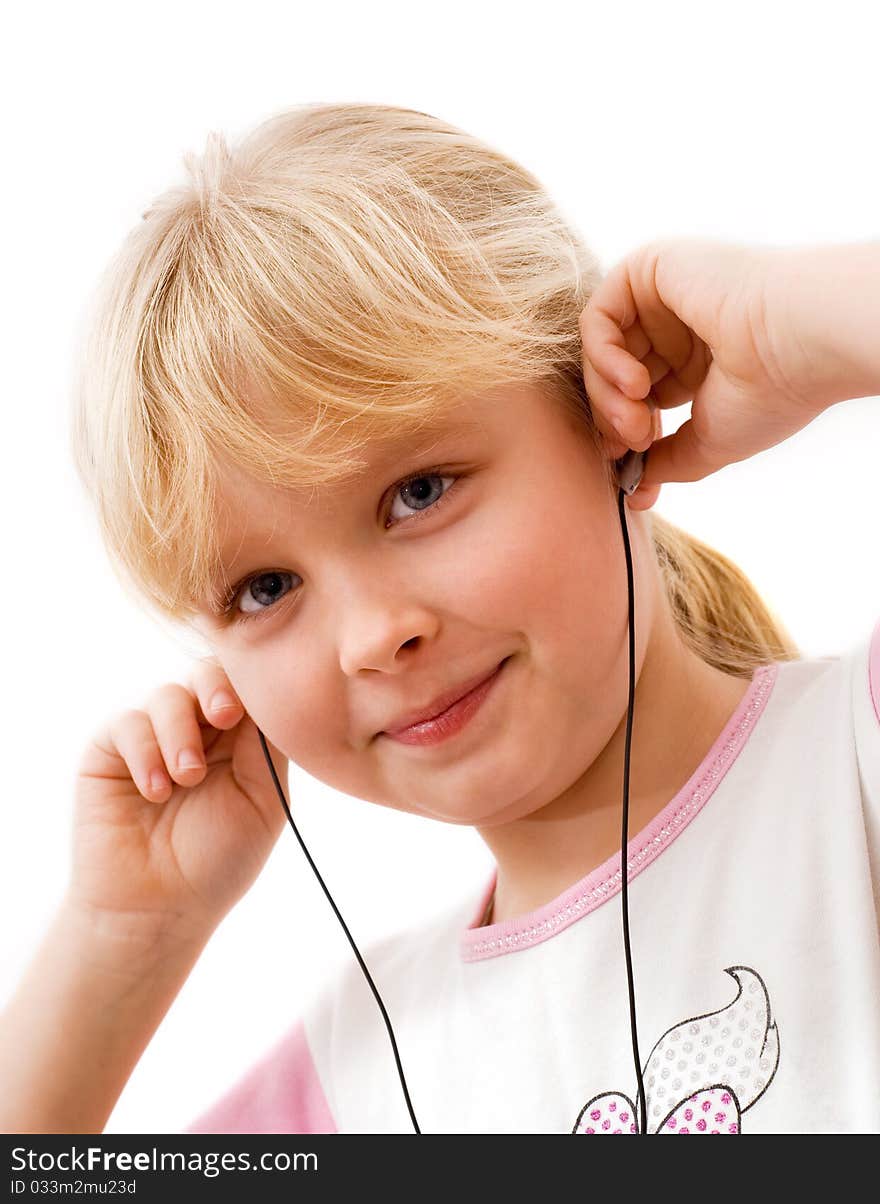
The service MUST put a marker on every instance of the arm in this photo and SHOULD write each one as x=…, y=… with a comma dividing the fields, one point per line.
x=830, y=295
x=87, y=1007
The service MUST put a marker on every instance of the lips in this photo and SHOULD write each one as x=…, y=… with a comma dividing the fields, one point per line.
x=441, y=703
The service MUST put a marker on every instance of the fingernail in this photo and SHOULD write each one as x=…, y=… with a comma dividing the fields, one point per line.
x=158, y=780
x=189, y=759
x=223, y=699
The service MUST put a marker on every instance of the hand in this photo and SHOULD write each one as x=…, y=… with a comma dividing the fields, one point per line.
x=703, y=321
x=181, y=855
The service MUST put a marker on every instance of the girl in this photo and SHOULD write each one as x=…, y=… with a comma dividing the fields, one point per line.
x=352, y=403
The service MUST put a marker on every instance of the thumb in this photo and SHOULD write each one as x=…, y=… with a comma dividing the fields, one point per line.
x=681, y=456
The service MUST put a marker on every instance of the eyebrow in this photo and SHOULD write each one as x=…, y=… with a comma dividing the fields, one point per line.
x=440, y=432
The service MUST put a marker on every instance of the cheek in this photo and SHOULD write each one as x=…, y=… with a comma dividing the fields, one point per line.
x=288, y=709
x=553, y=572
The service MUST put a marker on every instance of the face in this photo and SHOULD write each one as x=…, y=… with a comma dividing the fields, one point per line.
x=360, y=602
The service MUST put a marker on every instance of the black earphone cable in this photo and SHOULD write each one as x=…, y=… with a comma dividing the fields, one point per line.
x=345, y=928
x=640, y=1098
x=624, y=839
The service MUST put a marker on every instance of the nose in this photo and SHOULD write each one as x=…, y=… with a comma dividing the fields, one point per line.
x=382, y=632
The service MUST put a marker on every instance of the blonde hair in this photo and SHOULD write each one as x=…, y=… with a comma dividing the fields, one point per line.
x=357, y=267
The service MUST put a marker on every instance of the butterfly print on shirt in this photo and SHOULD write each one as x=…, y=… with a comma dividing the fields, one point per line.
x=703, y=1073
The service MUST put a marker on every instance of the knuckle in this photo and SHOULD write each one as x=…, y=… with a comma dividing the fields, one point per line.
x=209, y=678
x=131, y=717
x=205, y=668
x=165, y=693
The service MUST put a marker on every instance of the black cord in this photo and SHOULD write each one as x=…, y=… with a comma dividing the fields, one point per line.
x=345, y=927
x=640, y=1097
x=624, y=839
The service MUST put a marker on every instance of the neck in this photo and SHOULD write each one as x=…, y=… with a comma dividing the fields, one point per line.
x=681, y=705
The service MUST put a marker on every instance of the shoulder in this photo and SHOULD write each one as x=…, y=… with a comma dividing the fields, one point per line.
x=290, y=1089
x=281, y=1093
x=827, y=708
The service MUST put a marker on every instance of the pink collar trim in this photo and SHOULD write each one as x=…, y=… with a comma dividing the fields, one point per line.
x=603, y=883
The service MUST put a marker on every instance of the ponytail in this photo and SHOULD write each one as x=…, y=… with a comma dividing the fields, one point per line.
x=721, y=615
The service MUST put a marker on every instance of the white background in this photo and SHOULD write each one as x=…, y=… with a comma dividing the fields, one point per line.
x=749, y=121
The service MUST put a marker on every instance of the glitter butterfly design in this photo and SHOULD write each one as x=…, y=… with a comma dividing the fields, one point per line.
x=703, y=1073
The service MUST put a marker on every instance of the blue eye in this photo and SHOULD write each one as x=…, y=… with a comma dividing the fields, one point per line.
x=424, y=499
x=249, y=587
x=421, y=497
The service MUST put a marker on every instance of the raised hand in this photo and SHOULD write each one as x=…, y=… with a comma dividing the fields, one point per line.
x=707, y=322
x=179, y=854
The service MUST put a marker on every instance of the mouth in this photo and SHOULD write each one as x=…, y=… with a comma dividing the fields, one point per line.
x=436, y=725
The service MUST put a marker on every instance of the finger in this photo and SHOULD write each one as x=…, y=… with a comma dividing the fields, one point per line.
x=670, y=392
x=132, y=737
x=604, y=342
x=639, y=347
x=172, y=712
x=678, y=385
x=636, y=341
x=219, y=704
x=630, y=293
x=613, y=329
x=665, y=387
x=671, y=387
x=660, y=372
x=671, y=338
x=628, y=422
x=617, y=417
x=646, y=494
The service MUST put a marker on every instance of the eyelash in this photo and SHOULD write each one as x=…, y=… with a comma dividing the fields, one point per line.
x=228, y=604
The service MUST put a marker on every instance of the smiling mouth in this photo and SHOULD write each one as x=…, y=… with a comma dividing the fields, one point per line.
x=451, y=699
x=448, y=722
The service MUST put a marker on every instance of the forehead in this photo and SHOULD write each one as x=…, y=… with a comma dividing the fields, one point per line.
x=252, y=510
x=235, y=486
x=489, y=413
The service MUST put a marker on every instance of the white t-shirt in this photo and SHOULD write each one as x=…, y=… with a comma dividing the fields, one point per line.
x=753, y=915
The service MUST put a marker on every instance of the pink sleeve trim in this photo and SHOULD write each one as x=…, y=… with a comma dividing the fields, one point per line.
x=874, y=670
x=280, y=1094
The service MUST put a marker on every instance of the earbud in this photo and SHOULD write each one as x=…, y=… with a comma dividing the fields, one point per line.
x=630, y=470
